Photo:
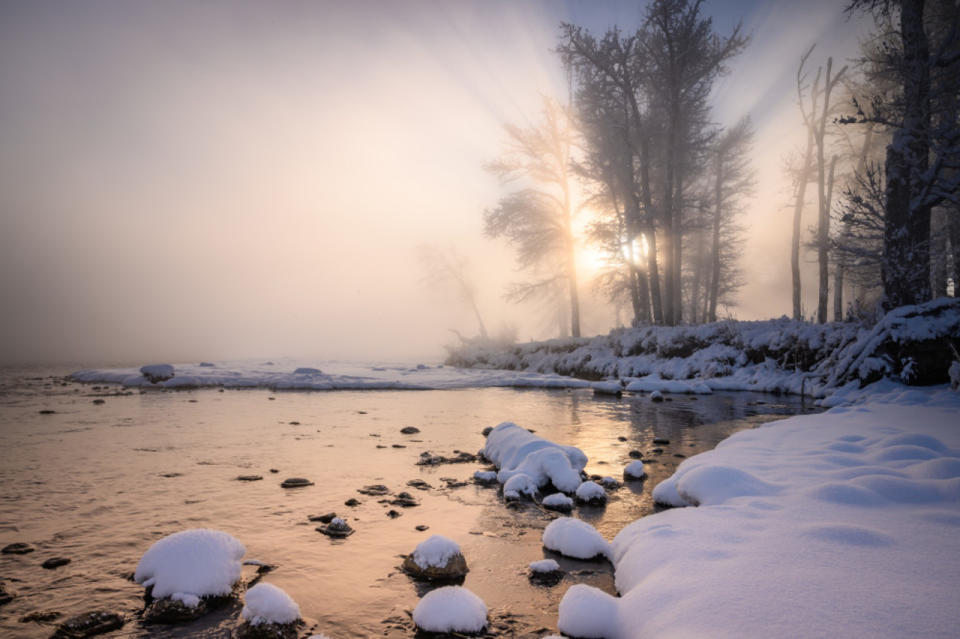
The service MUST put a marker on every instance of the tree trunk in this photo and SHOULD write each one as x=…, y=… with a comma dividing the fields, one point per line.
x=802, y=180
x=906, y=239
x=823, y=243
x=715, y=276
x=654, y=273
x=571, y=261
x=678, y=250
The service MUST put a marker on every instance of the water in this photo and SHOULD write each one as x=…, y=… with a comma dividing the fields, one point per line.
x=100, y=482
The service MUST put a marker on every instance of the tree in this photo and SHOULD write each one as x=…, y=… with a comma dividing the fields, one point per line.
x=449, y=269
x=538, y=218
x=921, y=55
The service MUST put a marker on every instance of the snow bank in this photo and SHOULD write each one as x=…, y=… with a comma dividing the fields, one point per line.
x=451, y=609
x=435, y=552
x=575, y=538
x=191, y=564
x=842, y=524
x=515, y=450
x=265, y=603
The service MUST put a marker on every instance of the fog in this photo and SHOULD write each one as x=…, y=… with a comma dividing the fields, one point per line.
x=184, y=180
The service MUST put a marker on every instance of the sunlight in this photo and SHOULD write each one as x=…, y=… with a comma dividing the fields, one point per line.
x=637, y=250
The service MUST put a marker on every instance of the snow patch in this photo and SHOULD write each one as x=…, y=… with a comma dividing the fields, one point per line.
x=265, y=603
x=435, y=552
x=451, y=609
x=575, y=538
x=190, y=564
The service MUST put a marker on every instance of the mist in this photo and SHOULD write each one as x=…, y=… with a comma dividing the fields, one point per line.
x=185, y=181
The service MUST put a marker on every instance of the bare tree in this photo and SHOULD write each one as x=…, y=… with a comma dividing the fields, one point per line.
x=447, y=268
x=538, y=218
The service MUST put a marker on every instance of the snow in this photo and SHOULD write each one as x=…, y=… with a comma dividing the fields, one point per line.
x=656, y=396
x=485, y=476
x=606, y=388
x=589, y=613
x=517, y=451
x=265, y=603
x=653, y=383
x=575, y=538
x=191, y=564
x=435, y=552
x=153, y=373
x=451, y=609
x=544, y=565
x=558, y=500
x=294, y=374
x=841, y=524
x=634, y=470
x=519, y=484
x=590, y=491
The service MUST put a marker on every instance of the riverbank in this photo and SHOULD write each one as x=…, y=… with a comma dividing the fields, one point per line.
x=910, y=345
x=842, y=524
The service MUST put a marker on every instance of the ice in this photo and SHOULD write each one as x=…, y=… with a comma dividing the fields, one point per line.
x=435, y=551
x=859, y=505
x=515, y=450
x=634, y=470
x=575, y=538
x=451, y=609
x=265, y=603
x=190, y=564
x=544, y=565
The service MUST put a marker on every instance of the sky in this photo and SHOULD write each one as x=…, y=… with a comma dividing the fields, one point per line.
x=187, y=181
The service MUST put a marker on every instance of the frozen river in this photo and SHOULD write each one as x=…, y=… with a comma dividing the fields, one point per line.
x=99, y=482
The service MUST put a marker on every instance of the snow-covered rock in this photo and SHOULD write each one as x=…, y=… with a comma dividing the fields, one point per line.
x=191, y=564
x=591, y=493
x=519, y=485
x=545, y=572
x=590, y=613
x=485, y=476
x=437, y=557
x=515, y=450
x=607, y=388
x=451, y=609
x=156, y=373
x=635, y=470
x=267, y=604
x=544, y=565
x=656, y=396
x=558, y=501
x=575, y=538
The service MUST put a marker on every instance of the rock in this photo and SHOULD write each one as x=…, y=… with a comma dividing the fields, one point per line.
x=429, y=459
x=306, y=370
x=296, y=482
x=361, y=412
x=558, y=502
x=609, y=483
x=409, y=430
x=352, y=502
x=436, y=559
x=657, y=451
x=452, y=482
x=419, y=484
x=591, y=494
x=393, y=514
x=18, y=548
x=621, y=439
x=661, y=440
x=55, y=562
x=166, y=610
x=156, y=373
x=249, y=477
x=405, y=500
x=398, y=446
x=40, y=616
x=47, y=411
x=274, y=470
x=324, y=519
x=246, y=630
x=207, y=364
x=375, y=490
x=545, y=572
x=99, y=401
x=635, y=454
x=485, y=477
x=5, y=595
x=89, y=624
x=421, y=527
x=294, y=423
x=486, y=431
x=337, y=528
x=656, y=396
x=679, y=455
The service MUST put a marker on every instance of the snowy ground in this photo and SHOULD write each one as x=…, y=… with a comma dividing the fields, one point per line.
x=842, y=524
x=290, y=374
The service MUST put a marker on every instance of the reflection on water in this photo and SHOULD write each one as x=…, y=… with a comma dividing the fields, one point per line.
x=100, y=482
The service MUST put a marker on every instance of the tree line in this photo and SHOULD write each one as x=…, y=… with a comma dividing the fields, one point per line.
x=635, y=143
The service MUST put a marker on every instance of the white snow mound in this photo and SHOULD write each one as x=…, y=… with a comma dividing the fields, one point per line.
x=575, y=538
x=591, y=490
x=544, y=565
x=634, y=470
x=435, y=552
x=451, y=609
x=516, y=450
x=191, y=564
x=588, y=612
x=519, y=484
x=265, y=603
x=557, y=500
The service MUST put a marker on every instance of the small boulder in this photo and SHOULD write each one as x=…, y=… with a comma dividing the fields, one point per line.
x=296, y=482
x=635, y=454
x=656, y=396
x=88, y=624
x=438, y=558
x=249, y=477
x=558, y=502
x=409, y=430
x=56, y=562
x=17, y=548
x=634, y=470
x=337, y=528
x=269, y=613
x=405, y=500
x=170, y=611
x=375, y=490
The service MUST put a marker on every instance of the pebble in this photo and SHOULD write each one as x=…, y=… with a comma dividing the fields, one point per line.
x=422, y=527
x=99, y=401
x=373, y=489
x=56, y=562
x=660, y=440
x=352, y=502
x=18, y=548
x=88, y=624
x=40, y=616
x=324, y=519
x=635, y=454
x=249, y=477
x=409, y=430
x=296, y=482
